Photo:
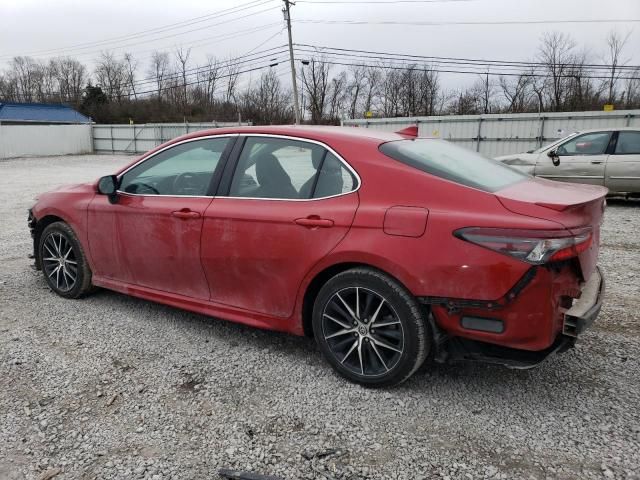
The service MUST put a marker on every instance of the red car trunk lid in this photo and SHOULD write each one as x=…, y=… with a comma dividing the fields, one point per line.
x=569, y=204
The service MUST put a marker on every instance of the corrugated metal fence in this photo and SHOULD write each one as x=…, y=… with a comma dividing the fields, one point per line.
x=503, y=134
x=140, y=138
x=39, y=140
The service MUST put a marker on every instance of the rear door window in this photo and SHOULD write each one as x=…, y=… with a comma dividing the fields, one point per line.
x=286, y=169
x=446, y=160
x=628, y=143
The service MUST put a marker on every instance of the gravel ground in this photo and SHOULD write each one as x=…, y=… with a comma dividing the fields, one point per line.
x=114, y=387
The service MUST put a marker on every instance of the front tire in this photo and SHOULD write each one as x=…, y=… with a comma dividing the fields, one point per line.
x=370, y=328
x=63, y=261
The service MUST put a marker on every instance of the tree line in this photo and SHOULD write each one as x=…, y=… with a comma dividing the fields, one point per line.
x=170, y=87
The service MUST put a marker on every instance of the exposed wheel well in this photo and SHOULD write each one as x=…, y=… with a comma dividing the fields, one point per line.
x=43, y=223
x=316, y=284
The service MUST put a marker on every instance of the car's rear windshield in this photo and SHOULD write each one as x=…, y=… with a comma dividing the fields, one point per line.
x=446, y=160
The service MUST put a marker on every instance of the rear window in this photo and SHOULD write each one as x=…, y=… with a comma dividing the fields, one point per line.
x=446, y=160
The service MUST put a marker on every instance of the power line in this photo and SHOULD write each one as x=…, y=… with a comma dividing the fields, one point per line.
x=202, y=41
x=217, y=39
x=439, y=70
x=448, y=23
x=172, y=26
x=118, y=47
x=455, y=60
x=404, y=64
x=228, y=62
x=275, y=57
x=197, y=82
x=94, y=52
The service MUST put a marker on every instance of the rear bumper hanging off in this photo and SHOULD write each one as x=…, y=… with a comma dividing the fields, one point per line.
x=584, y=311
x=580, y=316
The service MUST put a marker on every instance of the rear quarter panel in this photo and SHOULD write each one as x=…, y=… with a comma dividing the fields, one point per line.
x=435, y=263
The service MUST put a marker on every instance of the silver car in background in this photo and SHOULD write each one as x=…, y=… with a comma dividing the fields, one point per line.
x=606, y=156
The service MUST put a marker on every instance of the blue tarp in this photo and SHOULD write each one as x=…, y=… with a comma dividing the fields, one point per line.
x=40, y=112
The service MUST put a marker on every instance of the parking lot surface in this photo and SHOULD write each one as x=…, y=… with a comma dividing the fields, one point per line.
x=114, y=387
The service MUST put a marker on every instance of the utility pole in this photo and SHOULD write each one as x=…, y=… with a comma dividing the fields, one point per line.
x=287, y=17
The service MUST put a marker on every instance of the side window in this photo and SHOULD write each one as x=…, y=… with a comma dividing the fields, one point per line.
x=186, y=169
x=628, y=143
x=587, y=144
x=334, y=178
x=276, y=168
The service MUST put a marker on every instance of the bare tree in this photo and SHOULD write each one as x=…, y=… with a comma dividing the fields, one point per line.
x=517, y=92
x=27, y=74
x=631, y=95
x=355, y=88
x=159, y=70
x=111, y=74
x=182, y=58
x=337, y=96
x=465, y=102
x=428, y=91
x=613, y=58
x=232, y=72
x=484, y=90
x=8, y=88
x=268, y=103
x=71, y=77
x=131, y=66
x=211, y=74
x=315, y=81
x=374, y=78
x=391, y=92
x=556, y=55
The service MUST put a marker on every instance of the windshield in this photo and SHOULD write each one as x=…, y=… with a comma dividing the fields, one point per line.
x=446, y=160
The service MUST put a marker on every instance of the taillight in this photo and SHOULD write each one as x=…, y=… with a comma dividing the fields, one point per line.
x=532, y=246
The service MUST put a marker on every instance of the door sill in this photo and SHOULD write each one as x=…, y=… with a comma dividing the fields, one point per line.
x=205, y=307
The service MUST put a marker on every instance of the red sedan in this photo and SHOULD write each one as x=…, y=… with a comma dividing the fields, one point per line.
x=387, y=248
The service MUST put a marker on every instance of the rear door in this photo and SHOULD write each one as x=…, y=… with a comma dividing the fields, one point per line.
x=582, y=159
x=283, y=207
x=623, y=165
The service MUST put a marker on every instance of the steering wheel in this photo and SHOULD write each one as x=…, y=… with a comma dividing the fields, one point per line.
x=141, y=187
x=186, y=183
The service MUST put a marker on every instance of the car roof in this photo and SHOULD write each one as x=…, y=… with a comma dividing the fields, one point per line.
x=320, y=133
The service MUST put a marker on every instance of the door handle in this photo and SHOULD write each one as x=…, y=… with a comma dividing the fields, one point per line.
x=597, y=162
x=185, y=213
x=314, y=221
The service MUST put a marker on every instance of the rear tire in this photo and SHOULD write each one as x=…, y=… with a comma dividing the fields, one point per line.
x=63, y=261
x=370, y=328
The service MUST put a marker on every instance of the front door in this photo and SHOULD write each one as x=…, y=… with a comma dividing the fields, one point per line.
x=157, y=221
x=582, y=159
x=287, y=205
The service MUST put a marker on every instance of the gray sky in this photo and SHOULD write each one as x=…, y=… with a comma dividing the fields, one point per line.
x=32, y=26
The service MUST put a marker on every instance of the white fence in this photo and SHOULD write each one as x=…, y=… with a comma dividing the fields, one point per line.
x=502, y=134
x=140, y=138
x=41, y=140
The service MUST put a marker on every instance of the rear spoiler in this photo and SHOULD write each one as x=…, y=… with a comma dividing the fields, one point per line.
x=409, y=132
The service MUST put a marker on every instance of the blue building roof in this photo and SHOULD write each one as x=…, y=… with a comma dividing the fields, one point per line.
x=40, y=113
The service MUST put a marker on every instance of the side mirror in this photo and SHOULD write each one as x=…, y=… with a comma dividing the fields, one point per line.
x=108, y=185
x=555, y=159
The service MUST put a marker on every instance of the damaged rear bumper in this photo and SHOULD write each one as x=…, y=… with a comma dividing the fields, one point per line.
x=585, y=310
x=574, y=321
